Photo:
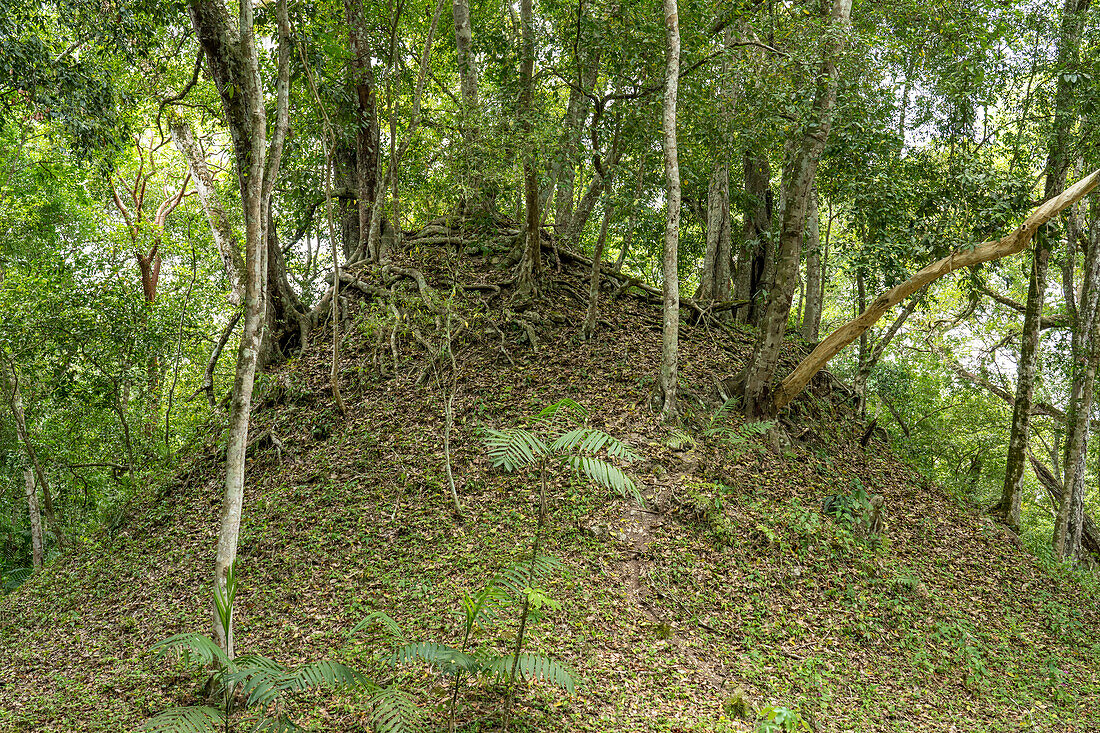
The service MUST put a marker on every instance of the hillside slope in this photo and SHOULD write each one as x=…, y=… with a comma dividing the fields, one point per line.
x=728, y=583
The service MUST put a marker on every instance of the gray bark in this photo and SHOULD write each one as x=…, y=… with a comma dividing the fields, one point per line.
x=815, y=274
x=231, y=53
x=765, y=358
x=589, y=327
x=15, y=402
x=670, y=287
x=755, y=241
x=530, y=265
x=1057, y=168
x=35, y=519
x=467, y=67
x=225, y=239
x=1086, y=355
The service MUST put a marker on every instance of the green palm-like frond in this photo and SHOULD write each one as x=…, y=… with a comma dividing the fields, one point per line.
x=263, y=680
x=606, y=475
x=728, y=408
x=481, y=607
x=192, y=646
x=518, y=577
x=591, y=441
x=16, y=578
x=390, y=628
x=395, y=711
x=534, y=667
x=447, y=660
x=197, y=719
x=564, y=408
x=514, y=448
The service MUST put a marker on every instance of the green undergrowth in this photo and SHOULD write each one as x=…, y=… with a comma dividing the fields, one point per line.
x=724, y=600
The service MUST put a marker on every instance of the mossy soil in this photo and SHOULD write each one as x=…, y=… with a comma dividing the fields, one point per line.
x=727, y=592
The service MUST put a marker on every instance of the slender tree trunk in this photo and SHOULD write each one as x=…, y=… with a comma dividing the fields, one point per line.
x=15, y=401
x=35, y=519
x=632, y=220
x=600, y=182
x=1012, y=488
x=815, y=277
x=1068, y=526
x=530, y=265
x=589, y=327
x=714, y=278
x=670, y=329
x=563, y=164
x=467, y=67
x=234, y=65
x=765, y=359
x=1057, y=167
x=754, y=238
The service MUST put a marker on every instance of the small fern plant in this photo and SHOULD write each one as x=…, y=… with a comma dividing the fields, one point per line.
x=737, y=438
x=481, y=610
x=261, y=682
x=579, y=448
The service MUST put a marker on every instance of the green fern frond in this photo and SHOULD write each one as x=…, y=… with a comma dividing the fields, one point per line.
x=518, y=577
x=481, y=607
x=264, y=681
x=758, y=428
x=563, y=408
x=534, y=667
x=607, y=475
x=395, y=711
x=192, y=646
x=728, y=408
x=197, y=719
x=391, y=629
x=514, y=448
x=447, y=660
x=591, y=441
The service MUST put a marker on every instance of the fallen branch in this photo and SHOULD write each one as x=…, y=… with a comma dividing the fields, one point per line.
x=1015, y=242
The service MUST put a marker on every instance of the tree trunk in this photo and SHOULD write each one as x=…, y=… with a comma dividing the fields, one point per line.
x=754, y=238
x=35, y=519
x=867, y=363
x=530, y=265
x=234, y=66
x=670, y=286
x=467, y=67
x=602, y=179
x=797, y=380
x=15, y=401
x=368, y=191
x=1057, y=167
x=225, y=239
x=714, y=279
x=589, y=327
x=1012, y=489
x=765, y=358
x=563, y=165
x=815, y=274
x=1086, y=355
x=632, y=220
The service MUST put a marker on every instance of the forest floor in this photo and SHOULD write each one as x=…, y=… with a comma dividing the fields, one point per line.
x=727, y=586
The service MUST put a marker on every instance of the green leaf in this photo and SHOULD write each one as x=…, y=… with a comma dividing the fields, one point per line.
x=607, y=475
x=197, y=719
x=204, y=650
x=563, y=408
x=534, y=667
x=514, y=448
x=390, y=627
x=591, y=441
x=395, y=711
